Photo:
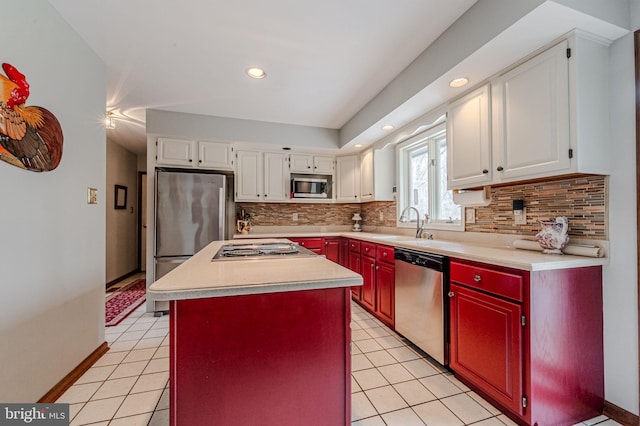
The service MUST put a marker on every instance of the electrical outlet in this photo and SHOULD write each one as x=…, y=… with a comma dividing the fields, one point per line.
x=469, y=215
x=381, y=216
x=294, y=217
x=520, y=216
x=92, y=196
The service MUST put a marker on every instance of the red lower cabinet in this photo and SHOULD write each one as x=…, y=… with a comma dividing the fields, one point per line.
x=332, y=248
x=486, y=345
x=368, y=292
x=271, y=360
x=530, y=342
x=385, y=293
x=377, y=268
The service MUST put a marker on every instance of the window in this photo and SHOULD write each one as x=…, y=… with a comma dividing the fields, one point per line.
x=422, y=165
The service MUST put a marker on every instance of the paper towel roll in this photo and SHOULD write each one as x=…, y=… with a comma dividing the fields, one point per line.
x=573, y=249
x=471, y=198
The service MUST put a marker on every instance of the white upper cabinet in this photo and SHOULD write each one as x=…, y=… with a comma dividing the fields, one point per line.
x=531, y=113
x=377, y=171
x=469, y=140
x=313, y=164
x=175, y=152
x=348, y=178
x=195, y=154
x=323, y=164
x=549, y=117
x=261, y=176
x=249, y=179
x=276, y=178
x=215, y=155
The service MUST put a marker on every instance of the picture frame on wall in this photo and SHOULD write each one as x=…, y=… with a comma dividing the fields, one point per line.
x=120, y=197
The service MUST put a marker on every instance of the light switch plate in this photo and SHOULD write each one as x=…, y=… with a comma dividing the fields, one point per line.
x=469, y=215
x=92, y=196
x=520, y=216
x=294, y=217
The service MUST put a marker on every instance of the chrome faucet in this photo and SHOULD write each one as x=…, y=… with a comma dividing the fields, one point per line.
x=404, y=218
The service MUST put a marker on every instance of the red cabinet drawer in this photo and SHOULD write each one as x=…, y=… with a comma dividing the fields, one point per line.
x=354, y=246
x=309, y=243
x=368, y=249
x=505, y=284
x=384, y=254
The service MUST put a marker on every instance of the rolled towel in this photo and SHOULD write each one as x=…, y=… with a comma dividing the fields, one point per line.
x=573, y=249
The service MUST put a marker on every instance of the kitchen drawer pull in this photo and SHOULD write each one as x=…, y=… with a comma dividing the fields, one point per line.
x=384, y=254
x=451, y=294
x=477, y=278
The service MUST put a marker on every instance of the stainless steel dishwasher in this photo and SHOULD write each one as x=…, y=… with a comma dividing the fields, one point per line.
x=421, y=314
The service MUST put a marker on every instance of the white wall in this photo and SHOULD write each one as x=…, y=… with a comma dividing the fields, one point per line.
x=122, y=225
x=621, y=276
x=52, y=243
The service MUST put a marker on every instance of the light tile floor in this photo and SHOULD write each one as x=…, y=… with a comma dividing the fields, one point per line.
x=393, y=384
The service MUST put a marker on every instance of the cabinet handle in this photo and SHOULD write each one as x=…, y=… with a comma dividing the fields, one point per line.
x=258, y=195
x=499, y=168
x=377, y=267
x=199, y=161
x=477, y=278
x=485, y=171
x=308, y=167
x=265, y=195
x=451, y=294
x=384, y=254
x=190, y=160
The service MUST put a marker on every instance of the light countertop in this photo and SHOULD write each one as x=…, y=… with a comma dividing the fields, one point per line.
x=199, y=277
x=505, y=255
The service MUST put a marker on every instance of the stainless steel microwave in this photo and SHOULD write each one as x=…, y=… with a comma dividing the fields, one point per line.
x=303, y=187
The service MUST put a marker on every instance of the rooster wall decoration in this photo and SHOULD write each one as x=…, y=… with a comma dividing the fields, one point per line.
x=30, y=136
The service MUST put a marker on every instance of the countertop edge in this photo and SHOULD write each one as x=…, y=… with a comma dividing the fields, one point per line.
x=502, y=255
x=201, y=293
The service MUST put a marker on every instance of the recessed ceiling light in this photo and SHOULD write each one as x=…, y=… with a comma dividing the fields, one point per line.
x=387, y=127
x=358, y=145
x=458, y=82
x=256, y=73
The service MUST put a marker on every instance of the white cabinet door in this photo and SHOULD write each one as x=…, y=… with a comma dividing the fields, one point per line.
x=215, y=155
x=249, y=176
x=469, y=140
x=323, y=164
x=366, y=176
x=301, y=163
x=275, y=177
x=531, y=110
x=348, y=178
x=175, y=152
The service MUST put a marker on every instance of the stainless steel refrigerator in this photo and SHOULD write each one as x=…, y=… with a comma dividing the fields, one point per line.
x=191, y=211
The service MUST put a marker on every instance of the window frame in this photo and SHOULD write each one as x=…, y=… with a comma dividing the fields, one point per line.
x=428, y=138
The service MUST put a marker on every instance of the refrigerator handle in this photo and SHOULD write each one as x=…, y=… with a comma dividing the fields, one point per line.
x=221, y=214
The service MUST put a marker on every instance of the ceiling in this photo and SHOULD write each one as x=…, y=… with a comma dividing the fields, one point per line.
x=324, y=60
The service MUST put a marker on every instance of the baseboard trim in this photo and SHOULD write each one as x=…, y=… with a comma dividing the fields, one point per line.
x=117, y=280
x=620, y=415
x=68, y=380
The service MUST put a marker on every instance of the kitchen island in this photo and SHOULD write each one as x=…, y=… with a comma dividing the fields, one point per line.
x=259, y=341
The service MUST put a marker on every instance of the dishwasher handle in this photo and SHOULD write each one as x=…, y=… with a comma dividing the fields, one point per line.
x=426, y=260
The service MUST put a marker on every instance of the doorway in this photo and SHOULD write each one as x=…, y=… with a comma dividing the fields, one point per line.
x=142, y=221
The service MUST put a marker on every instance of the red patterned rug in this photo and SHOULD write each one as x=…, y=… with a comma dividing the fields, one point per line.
x=124, y=301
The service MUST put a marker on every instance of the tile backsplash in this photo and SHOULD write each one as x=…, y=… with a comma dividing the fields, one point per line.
x=582, y=199
x=281, y=214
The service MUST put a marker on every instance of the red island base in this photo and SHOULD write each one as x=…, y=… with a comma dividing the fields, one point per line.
x=267, y=359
